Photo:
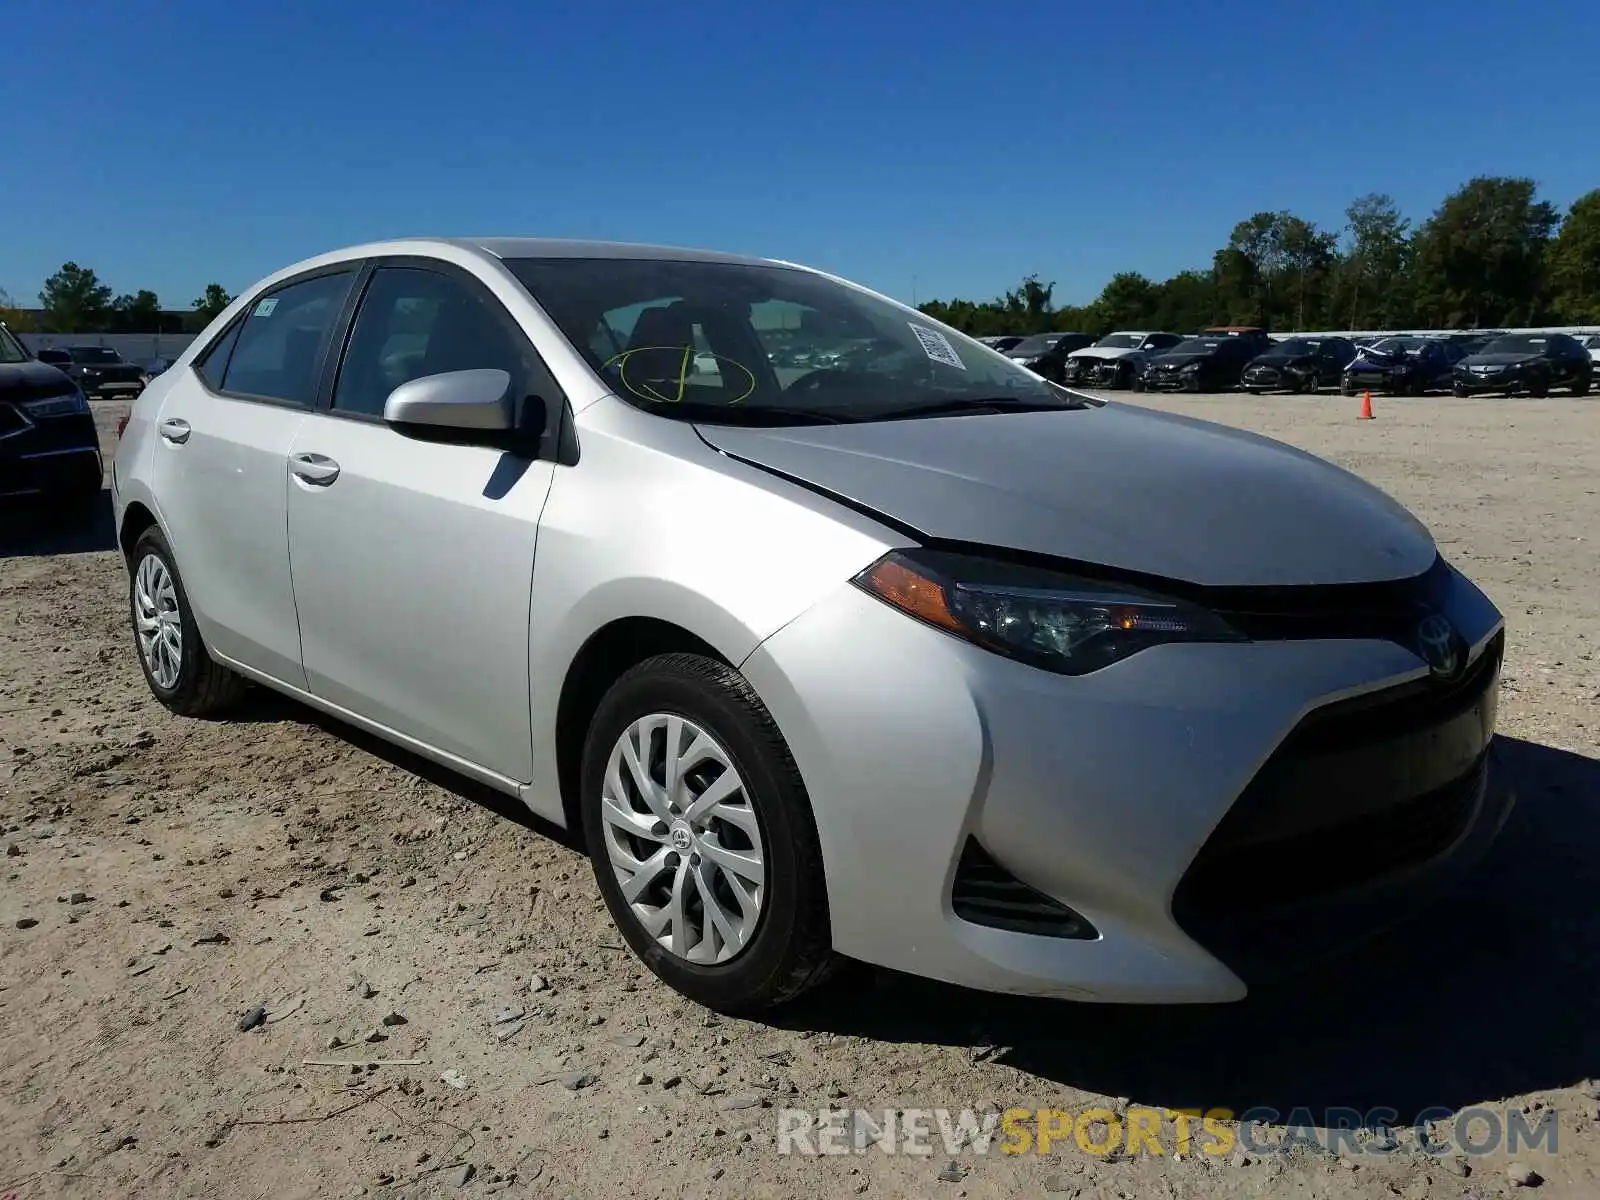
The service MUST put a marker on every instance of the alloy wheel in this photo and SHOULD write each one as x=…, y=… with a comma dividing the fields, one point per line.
x=158, y=621
x=683, y=838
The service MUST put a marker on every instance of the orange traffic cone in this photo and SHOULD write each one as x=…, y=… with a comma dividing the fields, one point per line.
x=1366, y=407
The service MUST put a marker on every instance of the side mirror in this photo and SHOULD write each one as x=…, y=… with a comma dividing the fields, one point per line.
x=476, y=401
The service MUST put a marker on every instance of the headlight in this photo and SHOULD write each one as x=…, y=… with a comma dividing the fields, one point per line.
x=1058, y=622
x=56, y=406
x=1190, y=367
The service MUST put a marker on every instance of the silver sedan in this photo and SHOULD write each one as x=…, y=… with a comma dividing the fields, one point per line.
x=837, y=634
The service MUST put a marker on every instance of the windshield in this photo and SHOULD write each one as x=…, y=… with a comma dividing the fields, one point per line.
x=1037, y=344
x=1297, y=346
x=722, y=342
x=1518, y=344
x=11, y=350
x=93, y=354
x=1122, y=341
x=1197, y=346
x=1398, y=345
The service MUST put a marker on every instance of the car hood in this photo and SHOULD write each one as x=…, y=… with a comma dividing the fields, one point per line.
x=1115, y=485
x=33, y=381
x=1279, y=360
x=1107, y=352
x=1496, y=360
x=1179, y=360
x=1378, y=362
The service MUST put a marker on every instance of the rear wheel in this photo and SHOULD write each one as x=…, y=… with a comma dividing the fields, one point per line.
x=176, y=666
x=701, y=836
x=1538, y=389
x=1459, y=393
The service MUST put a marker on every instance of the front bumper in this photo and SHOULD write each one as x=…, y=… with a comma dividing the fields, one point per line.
x=1510, y=382
x=112, y=389
x=52, y=454
x=1106, y=793
x=1173, y=381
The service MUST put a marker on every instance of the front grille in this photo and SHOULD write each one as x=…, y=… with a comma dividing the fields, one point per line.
x=1360, y=791
x=985, y=893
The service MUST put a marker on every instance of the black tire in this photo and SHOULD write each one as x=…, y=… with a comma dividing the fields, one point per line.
x=1460, y=393
x=203, y=687
x=791, y=949
x=1346, y=389
x=1581, y=387
x=1538, y=390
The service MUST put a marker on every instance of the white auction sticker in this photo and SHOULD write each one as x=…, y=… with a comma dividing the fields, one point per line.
x=937, y=347
x=264, y=309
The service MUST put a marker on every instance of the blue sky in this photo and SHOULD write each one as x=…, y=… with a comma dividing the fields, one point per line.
x=951, y=148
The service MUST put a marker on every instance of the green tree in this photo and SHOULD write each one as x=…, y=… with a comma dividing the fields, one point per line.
x=212, y=301
x=1480, y=258
x=1127, y=302
x=1187, y=303
x=1373, y=285
x=74, y=300
x=138, y=313
x=1575, y=262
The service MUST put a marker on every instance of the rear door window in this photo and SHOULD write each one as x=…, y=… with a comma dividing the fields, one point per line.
x=280, y=341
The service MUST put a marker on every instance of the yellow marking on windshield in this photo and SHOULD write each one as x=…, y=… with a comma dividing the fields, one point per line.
x=644, y=389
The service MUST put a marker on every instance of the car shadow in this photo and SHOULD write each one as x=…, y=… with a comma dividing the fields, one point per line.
x=35, y=527
x=1488, y=994
x=267, y=707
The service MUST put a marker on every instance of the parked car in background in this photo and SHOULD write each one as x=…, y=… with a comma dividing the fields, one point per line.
x=1591, y=343
x=1003, y=342
x=1046, y=353
x=98, y=370
x=1529, y=363
x=1401, y=366
x=1255, y=335
x=155, y=367
x=1473, y=341
x=931, y=665
x=1116, y=360
x=1299, y=364
x=48, y=444
x=1208, y=363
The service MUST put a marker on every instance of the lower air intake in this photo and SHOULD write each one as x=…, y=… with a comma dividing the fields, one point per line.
x=985, y=893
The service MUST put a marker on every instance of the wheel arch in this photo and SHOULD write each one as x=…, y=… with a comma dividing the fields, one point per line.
x=604, y=657
x=136, y=518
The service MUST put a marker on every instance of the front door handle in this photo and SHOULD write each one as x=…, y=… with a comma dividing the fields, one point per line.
x=316, y=469
x=176, y=430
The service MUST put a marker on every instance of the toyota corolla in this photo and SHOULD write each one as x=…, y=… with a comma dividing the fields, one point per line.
x=917, y=659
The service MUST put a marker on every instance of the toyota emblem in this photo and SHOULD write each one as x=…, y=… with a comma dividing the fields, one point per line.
x=1441, y=646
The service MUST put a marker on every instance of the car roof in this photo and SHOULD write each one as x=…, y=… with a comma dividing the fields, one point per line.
x=544, y=247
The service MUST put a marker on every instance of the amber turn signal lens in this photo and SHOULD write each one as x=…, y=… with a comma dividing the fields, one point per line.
x=911, y=592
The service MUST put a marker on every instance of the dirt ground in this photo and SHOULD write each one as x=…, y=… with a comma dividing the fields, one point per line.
x=164, y=877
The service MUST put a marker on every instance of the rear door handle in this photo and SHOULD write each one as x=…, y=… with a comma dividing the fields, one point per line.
x=316, y=469
x=175, y=430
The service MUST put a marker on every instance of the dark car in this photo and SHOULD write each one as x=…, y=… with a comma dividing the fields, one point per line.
x=1299, y=364
x=98, y=370
x=1046, y=353
x=48, y=443
x=1002, y=342
x=1531, y=363
x=1401, y=366
x=156, y=366
x=1212, y=362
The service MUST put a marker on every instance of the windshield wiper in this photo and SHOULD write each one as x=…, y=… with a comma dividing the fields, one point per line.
x=978, y=404
x=754, y=414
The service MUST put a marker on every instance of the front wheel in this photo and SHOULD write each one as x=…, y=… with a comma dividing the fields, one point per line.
x=701, y=836
x=1538, y=389
x=1581, y=387
x=176, y=666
